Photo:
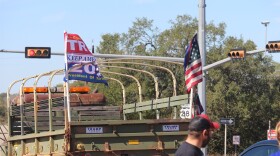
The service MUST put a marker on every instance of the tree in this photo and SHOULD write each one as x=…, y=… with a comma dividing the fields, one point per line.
x=247, y=90
x=141, y=38
x=3, y=108
x=241, y=90
x=173, y=42
x=110, y=44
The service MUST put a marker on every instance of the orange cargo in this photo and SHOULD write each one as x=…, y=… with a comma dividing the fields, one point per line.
x=75, y=98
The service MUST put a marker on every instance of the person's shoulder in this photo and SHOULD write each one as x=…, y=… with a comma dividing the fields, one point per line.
x=187, y=149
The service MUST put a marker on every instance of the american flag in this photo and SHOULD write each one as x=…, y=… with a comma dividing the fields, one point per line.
x=192, y=65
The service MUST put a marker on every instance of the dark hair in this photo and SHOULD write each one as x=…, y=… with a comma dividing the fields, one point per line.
x=199, y=124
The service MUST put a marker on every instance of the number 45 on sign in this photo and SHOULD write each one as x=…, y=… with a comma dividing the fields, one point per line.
x=185, y=112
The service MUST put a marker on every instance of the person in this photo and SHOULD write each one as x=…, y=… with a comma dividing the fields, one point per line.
x=200, y=132
x=277, y=129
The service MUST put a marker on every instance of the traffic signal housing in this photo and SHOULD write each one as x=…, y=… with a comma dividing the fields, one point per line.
x=273, y=46
x=237, y=53
x=37, y=52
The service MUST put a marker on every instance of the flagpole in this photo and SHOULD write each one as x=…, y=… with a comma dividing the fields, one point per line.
x=66, y=92
x=191, y=103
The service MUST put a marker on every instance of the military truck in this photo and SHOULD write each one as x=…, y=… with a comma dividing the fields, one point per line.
x=40, y=122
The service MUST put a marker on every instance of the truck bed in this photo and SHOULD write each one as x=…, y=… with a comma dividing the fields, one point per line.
x=95, y=130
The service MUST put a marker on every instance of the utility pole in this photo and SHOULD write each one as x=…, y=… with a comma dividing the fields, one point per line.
x=201, y=42
x=265, y=23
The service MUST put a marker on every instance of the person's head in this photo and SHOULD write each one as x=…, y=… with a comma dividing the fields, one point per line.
x=277, y=129
x=202, y=128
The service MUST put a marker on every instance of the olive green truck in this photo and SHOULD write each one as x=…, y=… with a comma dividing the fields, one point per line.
x=40, y=123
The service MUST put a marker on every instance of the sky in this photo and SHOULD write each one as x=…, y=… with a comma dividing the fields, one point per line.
x=42, y=23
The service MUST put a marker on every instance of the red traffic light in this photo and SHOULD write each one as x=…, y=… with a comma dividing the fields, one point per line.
x=273, y=47
x=237, y=53
x=37, y=52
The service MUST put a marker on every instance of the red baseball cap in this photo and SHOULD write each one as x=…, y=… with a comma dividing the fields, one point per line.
x=202, y=122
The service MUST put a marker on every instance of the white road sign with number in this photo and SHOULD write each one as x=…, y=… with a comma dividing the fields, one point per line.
x=185, y=112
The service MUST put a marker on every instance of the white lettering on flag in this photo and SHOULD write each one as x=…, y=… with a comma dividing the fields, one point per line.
x=80, y=61
x=77, y=46
x=80, y=58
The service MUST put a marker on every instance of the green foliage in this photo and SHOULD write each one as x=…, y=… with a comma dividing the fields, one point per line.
x=244, y=90
x=247, y=90
x=110, y=44
x=3, y=108
x=174, y=40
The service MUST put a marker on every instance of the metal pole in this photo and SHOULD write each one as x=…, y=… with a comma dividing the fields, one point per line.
x=225, y=148
x=173, y=60
x=149, y=65
x=235, y=150
x=201, y=41
x=143, y=71
x=137, y=81
x=66, y=85
x=10, y=146
x=265, y=34
x=123, y=89
x=265, y=23
x=269, y=129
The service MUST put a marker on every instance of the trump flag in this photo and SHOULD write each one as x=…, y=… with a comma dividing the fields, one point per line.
x=81, y=62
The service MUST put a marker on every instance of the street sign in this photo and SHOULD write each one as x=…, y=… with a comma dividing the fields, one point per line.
x=236, y=139
x=271, y=134
x=227, y=121
x=185, y=112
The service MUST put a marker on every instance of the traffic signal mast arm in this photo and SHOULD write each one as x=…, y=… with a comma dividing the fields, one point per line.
x=175, y=59
x=218, y=63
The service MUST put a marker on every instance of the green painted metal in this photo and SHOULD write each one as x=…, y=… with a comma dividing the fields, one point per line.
x=155, y=104
x=94, y=132
x=144, y=136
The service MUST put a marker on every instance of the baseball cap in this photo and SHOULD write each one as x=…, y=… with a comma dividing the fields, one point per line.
x=202, y=122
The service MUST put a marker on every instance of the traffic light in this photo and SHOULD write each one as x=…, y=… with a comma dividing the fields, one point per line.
x=237, y=53
x=37, y=52
x=273, y=46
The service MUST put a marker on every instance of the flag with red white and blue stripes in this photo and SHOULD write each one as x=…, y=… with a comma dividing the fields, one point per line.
x=192, y=65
